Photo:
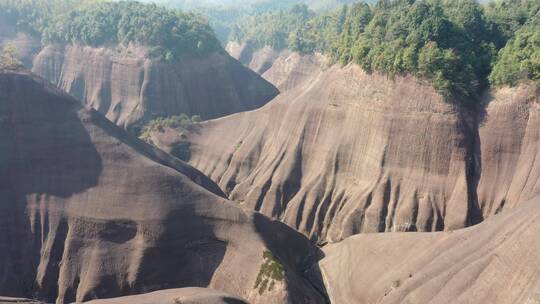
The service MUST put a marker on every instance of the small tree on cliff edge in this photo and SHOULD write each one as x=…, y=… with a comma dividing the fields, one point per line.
x=8, y=57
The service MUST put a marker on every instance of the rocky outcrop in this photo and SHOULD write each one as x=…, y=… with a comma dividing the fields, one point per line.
x=257, y=59
x=509, y=145
x=341, y=152
x=87, y=212
x=290, y=70
x=284, y=69
x=497, y=261
x=129, y=88
x=345, y=153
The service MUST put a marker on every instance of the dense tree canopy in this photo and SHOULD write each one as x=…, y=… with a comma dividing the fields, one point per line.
x=274, y=28
x=452, y=43
x=170, y=33
x=508, y=16
x=520, y=59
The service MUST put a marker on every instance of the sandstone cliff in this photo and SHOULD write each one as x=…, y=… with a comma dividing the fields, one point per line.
x=497, y=261
x=342, y=152
x=257, y=59
x=291, y=70
x=284, y=69
x=509, y=145
x=88, y=212
x=130, y=89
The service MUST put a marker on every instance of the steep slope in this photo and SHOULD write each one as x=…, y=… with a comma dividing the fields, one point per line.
x=344, y=152
x=89, y=212
x=495, y=262
x=341, y=152
x=284, y=69
x=129, y=88
x=510, y=148
x=291, y=69
x=258, y=60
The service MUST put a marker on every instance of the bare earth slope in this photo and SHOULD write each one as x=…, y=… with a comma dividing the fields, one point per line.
x=341, y=152
x=344, y=153
x=129, y=89
x=88, y=212
x=497, y=261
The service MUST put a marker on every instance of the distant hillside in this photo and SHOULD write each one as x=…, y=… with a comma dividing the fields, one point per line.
x=169, y=33
x=258, y=4
x=452, y=43
x=131, y=61
x=223, y=15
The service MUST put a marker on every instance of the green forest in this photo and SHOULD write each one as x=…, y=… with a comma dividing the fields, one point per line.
x=223, y=15
x=461, y=46
x=170, y=33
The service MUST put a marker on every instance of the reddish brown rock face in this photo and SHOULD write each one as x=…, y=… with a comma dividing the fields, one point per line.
x=497, y=261
x=341, y=152
x=86, y=211
x=344, y=152
x=510, y=148
x=284, y=69
x=129, y=89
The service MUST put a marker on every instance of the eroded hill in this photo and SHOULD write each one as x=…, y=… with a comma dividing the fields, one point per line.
x=131, y=89
x=90, y=212
x=140, y=62
x=346, y=152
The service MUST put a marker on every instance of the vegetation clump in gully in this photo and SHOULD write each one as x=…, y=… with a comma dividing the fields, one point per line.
x=271, y=271
x=179, y=123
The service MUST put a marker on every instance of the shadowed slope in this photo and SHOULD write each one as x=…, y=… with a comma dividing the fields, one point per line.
x=130, y=89
x=89, y=212
x=497, y=261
